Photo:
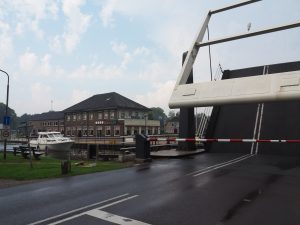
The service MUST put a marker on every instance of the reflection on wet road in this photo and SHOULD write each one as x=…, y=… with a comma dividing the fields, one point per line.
x=210, y=189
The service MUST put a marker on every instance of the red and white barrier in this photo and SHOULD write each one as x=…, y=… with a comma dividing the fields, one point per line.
x=223, y=140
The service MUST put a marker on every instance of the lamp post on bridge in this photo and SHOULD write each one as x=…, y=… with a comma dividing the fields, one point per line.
x=6, y=110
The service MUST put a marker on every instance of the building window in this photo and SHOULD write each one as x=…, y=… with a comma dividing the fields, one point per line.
x=74, y=117
x=79, y=132
x=128, y=132
x=122, y=115
x=112, y=114
x=85, y=132
x=73, y=131
x=78, y=116
x=100, y=115
x=107, y=131
x=91, y=131
x=56, y=124
x=84, y=116
x=105, y=115
x=91, y=116
x=99, y=131
x=68, y=117
x=68, y=131
x=136, y=130
x=117, y=131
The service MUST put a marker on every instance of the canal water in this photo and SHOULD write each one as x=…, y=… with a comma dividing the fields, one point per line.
x=9, y=147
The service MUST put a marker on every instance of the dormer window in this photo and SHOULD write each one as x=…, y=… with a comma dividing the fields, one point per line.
x=100, y=115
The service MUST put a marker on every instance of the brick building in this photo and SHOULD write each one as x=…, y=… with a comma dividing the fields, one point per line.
x=172, y=126
x=107, y=115
x=49, y=121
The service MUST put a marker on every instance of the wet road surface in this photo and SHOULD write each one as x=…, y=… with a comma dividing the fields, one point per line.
x=210, y=189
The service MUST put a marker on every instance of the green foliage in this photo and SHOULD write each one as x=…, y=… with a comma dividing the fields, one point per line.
x=11, y=113
x=173, y=116
x=18, y=168
x=157, y=113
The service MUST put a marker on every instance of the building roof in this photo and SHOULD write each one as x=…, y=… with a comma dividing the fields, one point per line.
x=110, y=100
x=51, y=115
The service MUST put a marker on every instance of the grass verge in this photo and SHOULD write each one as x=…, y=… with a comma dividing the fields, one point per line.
x=18, y=168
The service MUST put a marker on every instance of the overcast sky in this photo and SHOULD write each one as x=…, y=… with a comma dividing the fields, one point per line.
x=69, y=50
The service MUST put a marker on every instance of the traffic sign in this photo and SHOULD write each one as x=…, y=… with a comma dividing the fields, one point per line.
x=5, y=133
x=6, y=120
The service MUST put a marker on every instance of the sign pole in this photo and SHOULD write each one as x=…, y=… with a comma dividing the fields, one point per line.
x=6, y=110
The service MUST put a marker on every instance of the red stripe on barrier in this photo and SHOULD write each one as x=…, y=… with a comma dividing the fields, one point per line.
x=190, y=139
x=171, y=139
x=293, y=141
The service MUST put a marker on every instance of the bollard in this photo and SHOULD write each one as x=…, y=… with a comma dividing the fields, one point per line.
x=65, y=167
x=142, y=148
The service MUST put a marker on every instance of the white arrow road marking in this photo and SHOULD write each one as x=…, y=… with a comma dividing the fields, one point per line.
x=114, y=218
x=79, y=209
x=87, y=212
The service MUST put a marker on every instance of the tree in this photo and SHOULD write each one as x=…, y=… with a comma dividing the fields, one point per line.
x=173, y=116
x=157, y=113
x=11, y=113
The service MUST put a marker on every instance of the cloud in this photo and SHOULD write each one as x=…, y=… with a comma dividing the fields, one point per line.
x=6, y=41
x=93, y=71
x=40, y=97
x=159, y=96
x=77, y=23
x=6, y=47
x=33, y=65
x=29, y=13
x=55, y=44
x=112, y=71
x=79, y=95
x=28, y=62
x=106, y=13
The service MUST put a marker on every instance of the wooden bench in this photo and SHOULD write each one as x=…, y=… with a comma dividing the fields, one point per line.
x=25, y=152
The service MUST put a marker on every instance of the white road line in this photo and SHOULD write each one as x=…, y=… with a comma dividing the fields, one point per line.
x=114, y=218
x=86, y=213
x=79, y=209
x=216, y=165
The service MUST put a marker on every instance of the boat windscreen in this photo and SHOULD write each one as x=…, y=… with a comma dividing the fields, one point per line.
x=57, y=135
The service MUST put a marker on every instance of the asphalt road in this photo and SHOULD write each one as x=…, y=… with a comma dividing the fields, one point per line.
x=208, y=189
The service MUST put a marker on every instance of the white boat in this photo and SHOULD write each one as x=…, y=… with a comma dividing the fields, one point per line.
x=53, y=141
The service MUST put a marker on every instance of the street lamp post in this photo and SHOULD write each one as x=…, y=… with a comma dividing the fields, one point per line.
x=145, y=117
x=6, y=110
